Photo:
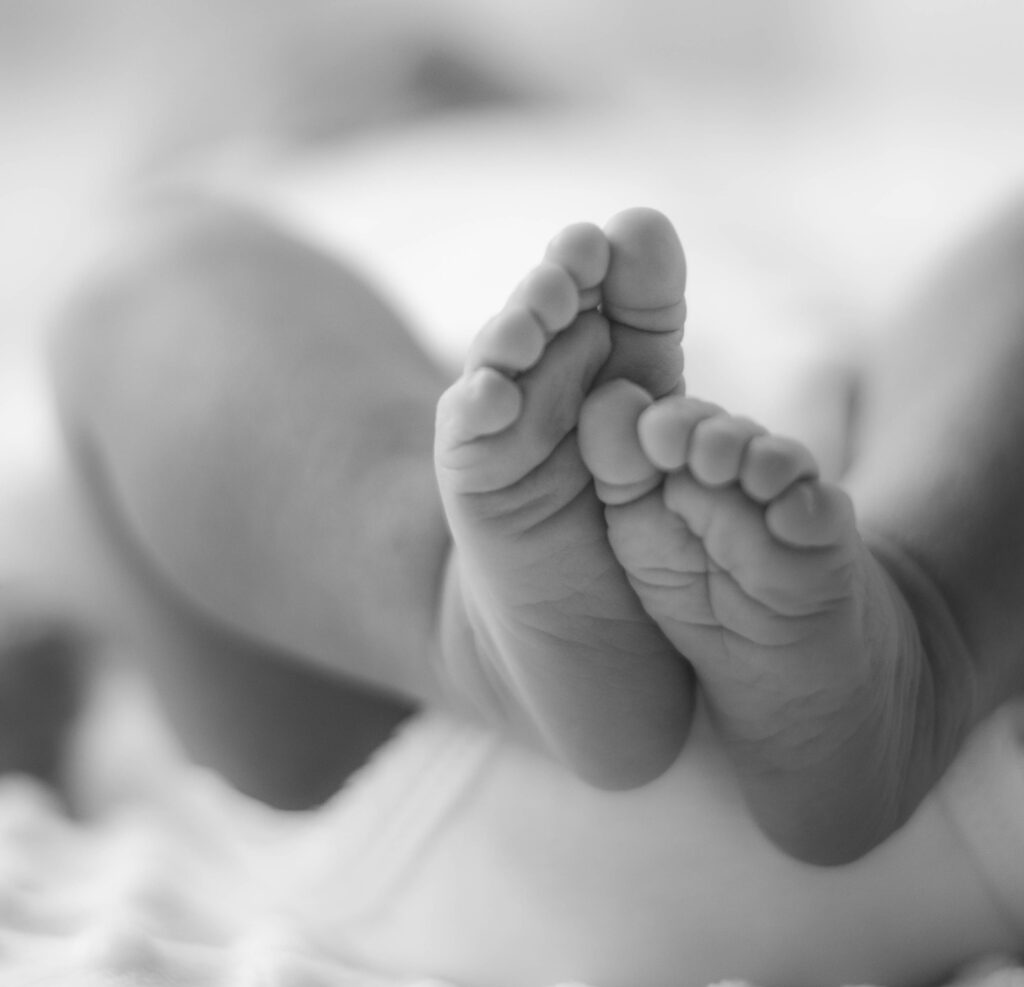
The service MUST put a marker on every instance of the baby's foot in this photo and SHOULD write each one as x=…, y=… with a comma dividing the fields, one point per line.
x=539, y=621
x=755, y=570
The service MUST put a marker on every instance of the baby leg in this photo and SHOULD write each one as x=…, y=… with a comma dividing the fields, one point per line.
x=539, y=618
x=754, y=569
x=844, y=664
x=254, y=426
x=939, y=481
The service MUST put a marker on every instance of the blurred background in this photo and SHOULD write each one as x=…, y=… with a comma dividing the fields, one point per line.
x=94, y=93
x=886, y=103
x=815, y=153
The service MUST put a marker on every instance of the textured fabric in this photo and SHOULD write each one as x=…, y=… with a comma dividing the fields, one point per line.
x=194, y=885
x=202, y=887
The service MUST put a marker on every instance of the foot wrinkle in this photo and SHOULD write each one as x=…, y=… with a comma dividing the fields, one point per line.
x=516, y=520
x=547, y=517
x=610, y=493
x=461, y=445
x=603, y=654
x=782, y=646
x=705, y=623
x=624, y=315
x=670, y=577
x=529, y=494
x=722, y=581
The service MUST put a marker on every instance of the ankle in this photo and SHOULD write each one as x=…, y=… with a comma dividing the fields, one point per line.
x=950, y=696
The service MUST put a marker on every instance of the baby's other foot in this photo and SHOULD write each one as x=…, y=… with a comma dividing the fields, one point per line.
x=755, y=570
x=540, y=625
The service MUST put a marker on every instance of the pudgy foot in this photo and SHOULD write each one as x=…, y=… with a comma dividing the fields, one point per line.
x=539, y=623
x=754, y=569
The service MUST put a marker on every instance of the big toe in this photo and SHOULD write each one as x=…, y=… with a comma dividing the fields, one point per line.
x=643, y=297
x=645, y=286
x=609, y=444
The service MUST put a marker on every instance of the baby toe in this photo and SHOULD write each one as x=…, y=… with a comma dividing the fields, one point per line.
x=608, y=441
x=665, y=429
x=583, y=251
x=646, y=280
x=811, y=515
x=717, y=447
x=772, y=464
x=550, y=294
x=512, y=341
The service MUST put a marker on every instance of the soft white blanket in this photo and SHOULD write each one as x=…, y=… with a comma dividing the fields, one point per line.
x=176, y=890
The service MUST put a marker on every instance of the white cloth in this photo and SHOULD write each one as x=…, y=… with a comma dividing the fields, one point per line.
x=453, y=857
x=503, y=870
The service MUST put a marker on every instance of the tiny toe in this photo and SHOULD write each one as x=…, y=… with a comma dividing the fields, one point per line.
x=550, y=294
x=646, y=281
x=512, y=341
x=479, y=404
x=772, y=464
x=608, y=439
x=666, y=426
x=810, y=515
x=582, y=249
x=717, y=448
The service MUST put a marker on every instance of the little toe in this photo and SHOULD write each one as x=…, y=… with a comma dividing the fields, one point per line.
x=811, y=515
x=609, y=445
x=665, y=428
x=550, y=294
x=645, y=285
x=582, y=250
x=772, y=464
x=717, y=447
x=481, y=403
x=513, y=341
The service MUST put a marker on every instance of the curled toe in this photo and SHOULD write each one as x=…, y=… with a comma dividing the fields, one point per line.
x=772, y=464
x=608, y=435
x=717, y=448
x=513, y=341
x=810, y=515
x=583, y=251
x=665, y=429
x=550, y=294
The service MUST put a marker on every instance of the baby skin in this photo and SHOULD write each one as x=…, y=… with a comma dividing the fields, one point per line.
x=718, y=549
x=540, y=624
x=805, y=649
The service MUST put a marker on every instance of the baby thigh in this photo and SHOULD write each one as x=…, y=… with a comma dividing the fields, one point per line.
x=539, y=879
